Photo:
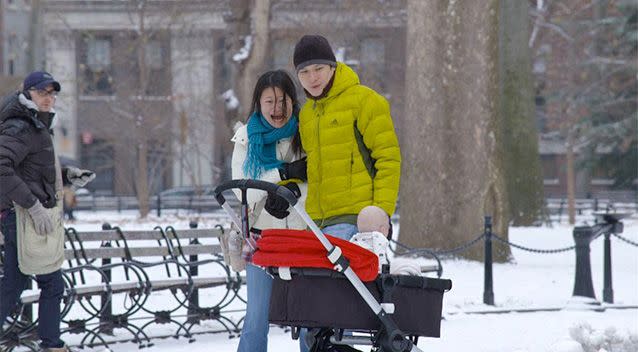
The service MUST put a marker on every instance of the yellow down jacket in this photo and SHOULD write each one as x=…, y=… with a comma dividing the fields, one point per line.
x=340, y=182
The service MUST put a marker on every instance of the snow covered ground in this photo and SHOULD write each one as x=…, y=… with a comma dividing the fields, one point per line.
x=529, y=281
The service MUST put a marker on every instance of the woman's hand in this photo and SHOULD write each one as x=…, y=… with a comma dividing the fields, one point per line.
x=277, y=206
x=295, y=169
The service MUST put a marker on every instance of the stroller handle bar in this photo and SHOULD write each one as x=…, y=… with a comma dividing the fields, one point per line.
x=245, y=184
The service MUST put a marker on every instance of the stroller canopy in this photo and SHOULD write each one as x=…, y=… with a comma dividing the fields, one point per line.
x=301, y=248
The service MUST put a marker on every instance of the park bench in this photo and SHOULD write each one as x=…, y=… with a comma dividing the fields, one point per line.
x=132, y=279
x=129, y=280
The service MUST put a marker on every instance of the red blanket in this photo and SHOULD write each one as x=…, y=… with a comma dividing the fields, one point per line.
x=302, y=249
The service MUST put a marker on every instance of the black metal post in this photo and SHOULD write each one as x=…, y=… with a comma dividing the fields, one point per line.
x=488, y=291
x=193, y=301
x=27, y=313
x=608, y=291
x=159, y=206
x=105, y=300
x=583, y=285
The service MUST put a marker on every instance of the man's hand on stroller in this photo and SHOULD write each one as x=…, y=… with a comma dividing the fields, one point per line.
x=277, y=206
x=294, y=170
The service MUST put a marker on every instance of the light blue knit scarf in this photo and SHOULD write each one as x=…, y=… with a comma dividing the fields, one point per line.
x=262, y=143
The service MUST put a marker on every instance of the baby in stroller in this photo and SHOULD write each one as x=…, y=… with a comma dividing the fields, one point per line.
x=375, y=231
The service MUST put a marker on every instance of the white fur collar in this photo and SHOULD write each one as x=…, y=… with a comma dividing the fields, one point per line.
x=241, y=134
x=31, y=105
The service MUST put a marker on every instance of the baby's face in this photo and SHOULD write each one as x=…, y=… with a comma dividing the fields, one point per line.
x=370, y=226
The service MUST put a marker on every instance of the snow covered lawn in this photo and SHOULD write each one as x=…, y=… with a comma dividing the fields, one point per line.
x=530, y=281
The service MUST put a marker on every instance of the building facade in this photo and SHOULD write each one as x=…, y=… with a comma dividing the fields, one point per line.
x=15, y=26
x=143, y=84
x=124, y=107
x=112, y=107
x=17, y=53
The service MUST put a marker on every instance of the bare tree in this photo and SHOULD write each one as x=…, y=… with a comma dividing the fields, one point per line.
x=587, y=54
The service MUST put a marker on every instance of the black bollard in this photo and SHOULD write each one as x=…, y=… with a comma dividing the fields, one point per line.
x=613, y=225
x=105, y=300
x=488, y=291
x=608, y=291
x=27, y=313
x=583, y=285
x=159, y=206
x=193, y=300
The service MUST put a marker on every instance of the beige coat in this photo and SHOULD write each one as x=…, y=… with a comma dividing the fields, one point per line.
x=39, y=255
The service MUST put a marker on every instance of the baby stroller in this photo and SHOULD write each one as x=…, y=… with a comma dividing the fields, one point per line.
x=392, y=311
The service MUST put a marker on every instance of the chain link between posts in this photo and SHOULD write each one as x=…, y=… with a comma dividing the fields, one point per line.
x=533, y=250
x=412, y=251
x=626, y=240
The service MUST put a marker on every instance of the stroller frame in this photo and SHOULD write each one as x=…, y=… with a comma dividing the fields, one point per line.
x=390, y=338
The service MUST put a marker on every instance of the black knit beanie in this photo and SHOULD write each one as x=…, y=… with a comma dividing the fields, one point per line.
x=313, y=49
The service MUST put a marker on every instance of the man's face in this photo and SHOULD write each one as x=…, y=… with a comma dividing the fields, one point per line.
x=314, y=78
x=44, y=98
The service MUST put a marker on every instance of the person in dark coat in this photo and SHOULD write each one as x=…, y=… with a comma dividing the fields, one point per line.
x=28, y=179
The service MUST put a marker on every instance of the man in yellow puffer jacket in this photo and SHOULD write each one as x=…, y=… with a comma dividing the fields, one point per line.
x=347, y=132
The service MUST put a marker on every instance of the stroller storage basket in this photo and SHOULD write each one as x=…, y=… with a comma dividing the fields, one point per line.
x=316, y=298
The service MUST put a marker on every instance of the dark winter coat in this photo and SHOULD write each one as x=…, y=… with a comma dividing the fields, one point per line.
x=27, y=159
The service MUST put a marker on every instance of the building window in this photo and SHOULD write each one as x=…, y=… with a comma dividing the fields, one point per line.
x=550, y=170
x=158, y=83
x=158, y=166
x=154, y=55
x=602, y=176
x=98, y=54
x=96, y=67
x=372, y=59
x=97, y=155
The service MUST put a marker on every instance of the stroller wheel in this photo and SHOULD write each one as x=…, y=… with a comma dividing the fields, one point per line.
x=319, y=341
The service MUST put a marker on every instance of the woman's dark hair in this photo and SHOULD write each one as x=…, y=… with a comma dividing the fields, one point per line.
x=282, y=80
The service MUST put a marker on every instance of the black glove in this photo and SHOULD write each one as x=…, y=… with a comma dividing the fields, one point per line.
x=277, y=206
x=295, y=169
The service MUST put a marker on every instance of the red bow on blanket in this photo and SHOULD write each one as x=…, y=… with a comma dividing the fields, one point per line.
x=302, y=249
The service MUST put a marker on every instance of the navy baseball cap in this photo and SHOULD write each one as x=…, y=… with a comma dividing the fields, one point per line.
x=40, y=80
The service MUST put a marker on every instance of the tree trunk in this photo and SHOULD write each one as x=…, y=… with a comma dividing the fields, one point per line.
x=142, y=189
x=522, y=161
x=571, y=178
x=253, y=66
x=142, y=179
x=452, y=173
x=35, y=28
x=571, y=119
x=238, y=20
